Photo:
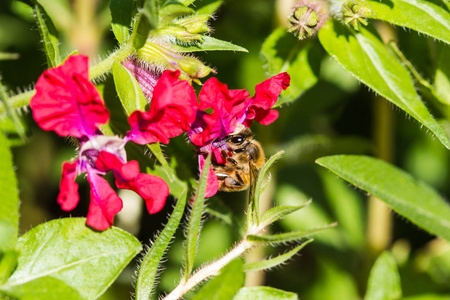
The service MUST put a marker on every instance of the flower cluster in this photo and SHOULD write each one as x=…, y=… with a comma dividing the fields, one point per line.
x=69, y=104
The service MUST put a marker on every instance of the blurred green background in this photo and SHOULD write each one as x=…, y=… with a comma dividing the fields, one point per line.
x=335, y=116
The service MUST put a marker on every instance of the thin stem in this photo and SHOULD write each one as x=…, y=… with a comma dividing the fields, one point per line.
x=208, y=271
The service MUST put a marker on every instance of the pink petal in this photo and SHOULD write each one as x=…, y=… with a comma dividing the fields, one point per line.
x=267, y=92
x=152, y=189
x=67, y=102
x=266, y=95
x=68, y=188
x=227, y=108
x=212, y=183
x=105, y=203
x=172, y=111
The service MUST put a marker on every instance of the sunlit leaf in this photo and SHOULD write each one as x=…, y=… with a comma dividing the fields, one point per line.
x=8, y=263
x=147, y=20
x=210, y=44
x=172, y=11
x=128, y=90
x=409, y=197
x=285, y=53
x=193, y=230
x=9, y=195
x=384, y=280
x=65, y=259
x=422, y=16
x=364, y=55
x=149, y=266
x=48, y=34
x=225, y=285
x=264, y=293
x=121, y=15
x=270, y=263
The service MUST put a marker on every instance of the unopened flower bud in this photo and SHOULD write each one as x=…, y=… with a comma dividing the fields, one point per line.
x=355, y=13
x=307, y=18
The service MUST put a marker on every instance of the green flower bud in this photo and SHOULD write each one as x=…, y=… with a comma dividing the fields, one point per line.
x=355, y=12
x=307, y=18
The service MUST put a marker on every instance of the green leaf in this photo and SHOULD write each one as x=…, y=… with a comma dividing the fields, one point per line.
x=209, y=44
x=442, y=75
x=8, y=55
x=225, y=285
x=364, y=55
x=9, y=195
x=264, y=293
x=48, y=34
x=121, y=16
x=287, y=236
x=278, y=212
x=285, y=53
x=384, y=280
x=210, y=8
x=8, y=263
x=172, y=11
x=422, y=16
x=146, y=22
x=270, y=263
x=12, y=125
x=65, y=259
x=347, y=207
x=149, y=266
x=186, y=2
x=256, y=191
x=128, y=90
x=193, y=230
x=428, y=297
x=155, y=148
x=411, y=198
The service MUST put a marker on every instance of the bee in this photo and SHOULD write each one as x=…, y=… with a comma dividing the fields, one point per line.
x=244, y=158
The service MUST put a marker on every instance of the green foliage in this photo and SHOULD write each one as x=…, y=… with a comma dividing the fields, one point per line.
x=146, y=21
x=225, y=285
x=364, y=55
x=210, y=44
x=121, y=15
x=398, y=189
x=128, y=90
x=9, y=214
x=149, y=265
x=423, y=16
x=284, y=53
x=384, y=281
x=272, y=262
x=264, y=292
x=193, y=230
x=61, y=259
x=48, y=34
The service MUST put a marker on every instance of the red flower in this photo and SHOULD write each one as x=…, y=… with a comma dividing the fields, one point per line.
x=172, y=111
x=266, y=95
x=69, y=104
x=221, y=111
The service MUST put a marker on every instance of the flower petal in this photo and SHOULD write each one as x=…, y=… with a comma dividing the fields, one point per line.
x=212, y=183
x=227, y=109
x=152, y=189
x=105, y=203
x=68, y=188
x=266, y=95
x=172, y=111
x=67, y=102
